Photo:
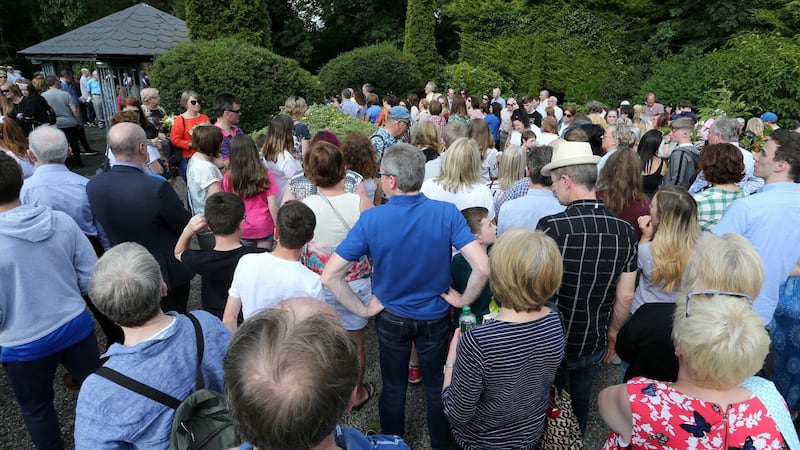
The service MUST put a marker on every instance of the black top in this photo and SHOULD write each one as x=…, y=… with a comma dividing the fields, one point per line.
x=650, y=183
x=34, y=113
x=216, y=269
x=645, y=341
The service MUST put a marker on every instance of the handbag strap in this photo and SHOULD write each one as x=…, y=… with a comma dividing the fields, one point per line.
x=776, y=407
x=151, y=392
x=336, y=211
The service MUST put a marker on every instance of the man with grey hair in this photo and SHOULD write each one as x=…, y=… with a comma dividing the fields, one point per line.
x=552, y=102
x=544, y=96
x=132, y=206
x=726, y=131
x=160, y=351
x=409, y=284
x=599, y=257
x=54, y=186
x=398, y=121
x=430, y=91
x=45, y=262
x=496, y=97
x=349, y=106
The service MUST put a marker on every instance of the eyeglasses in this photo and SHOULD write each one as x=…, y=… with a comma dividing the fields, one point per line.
x=235, y=111
x=194, y=102
x=384, y=174
x=713, y=293
x=5, y=91
x=567, y=115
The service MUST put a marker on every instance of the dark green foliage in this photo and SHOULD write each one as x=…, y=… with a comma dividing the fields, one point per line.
x=476, y=80
x=337, y=26
x=247, y=19
x=420, y=41
x=760, y=70
x=260, y=79
x=382, y=65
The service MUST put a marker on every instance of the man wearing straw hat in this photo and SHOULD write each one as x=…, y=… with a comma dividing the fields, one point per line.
x=599, y=253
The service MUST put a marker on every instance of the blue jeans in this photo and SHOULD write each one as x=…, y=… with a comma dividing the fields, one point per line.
x=395, y=335
x=582, y=371
x=32, y=383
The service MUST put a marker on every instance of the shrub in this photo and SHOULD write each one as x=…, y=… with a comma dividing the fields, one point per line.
x=381, y=65
x=260, y=79
x=476, y=80
x=247, y=19
x=420, y=41
x=324, y=117
x=753, y=71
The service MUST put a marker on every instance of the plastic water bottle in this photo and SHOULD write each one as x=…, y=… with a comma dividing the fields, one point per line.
x=467, y=320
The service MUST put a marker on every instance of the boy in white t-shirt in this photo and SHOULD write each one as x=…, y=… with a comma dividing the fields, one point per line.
x=263, y=280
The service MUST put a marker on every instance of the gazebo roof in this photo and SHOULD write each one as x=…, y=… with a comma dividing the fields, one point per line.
x=139, y=32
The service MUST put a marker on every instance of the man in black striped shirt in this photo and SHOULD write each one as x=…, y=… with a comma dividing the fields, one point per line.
x=599, y=253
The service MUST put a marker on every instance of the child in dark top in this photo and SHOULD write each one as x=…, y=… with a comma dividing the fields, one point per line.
x=224, y=215
x=486, y=234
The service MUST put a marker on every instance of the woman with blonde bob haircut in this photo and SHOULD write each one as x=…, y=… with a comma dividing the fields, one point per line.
x=459, y=181
x=719, y=342
x=496, y=384
x=513, y=166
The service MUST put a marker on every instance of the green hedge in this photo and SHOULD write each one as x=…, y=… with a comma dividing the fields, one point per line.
x=758, y=70
x=247, y=19
x=324, y=117
x=381, y=65
x=476, y=80
x=420, y=41
x=260, y=79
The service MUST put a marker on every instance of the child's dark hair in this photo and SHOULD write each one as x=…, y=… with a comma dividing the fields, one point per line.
x=474, y=216
x=296, y=223
x=224, y=211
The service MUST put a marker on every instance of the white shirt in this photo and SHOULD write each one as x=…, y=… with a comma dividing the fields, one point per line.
x=262, y=280
x=476, y=195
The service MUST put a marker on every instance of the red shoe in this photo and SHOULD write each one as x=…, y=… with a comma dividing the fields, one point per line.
x=414, y=374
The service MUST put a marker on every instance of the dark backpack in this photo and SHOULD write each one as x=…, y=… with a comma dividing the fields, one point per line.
x=49, y=113
x=695, y=157
x=202, y=420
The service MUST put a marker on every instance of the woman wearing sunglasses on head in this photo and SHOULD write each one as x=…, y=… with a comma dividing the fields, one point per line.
x=181, y=134
x=720, y=343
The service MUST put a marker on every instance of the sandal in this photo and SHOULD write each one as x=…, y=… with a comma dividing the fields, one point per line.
x=371, y=393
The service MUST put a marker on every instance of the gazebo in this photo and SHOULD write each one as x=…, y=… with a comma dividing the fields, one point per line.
x=126, y=41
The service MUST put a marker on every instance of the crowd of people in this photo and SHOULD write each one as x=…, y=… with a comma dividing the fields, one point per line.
x=575, y=238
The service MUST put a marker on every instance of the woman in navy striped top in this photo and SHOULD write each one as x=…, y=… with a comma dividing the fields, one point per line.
x=498, y=375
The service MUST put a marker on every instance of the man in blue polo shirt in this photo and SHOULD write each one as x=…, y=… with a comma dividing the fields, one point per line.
x=410, y=240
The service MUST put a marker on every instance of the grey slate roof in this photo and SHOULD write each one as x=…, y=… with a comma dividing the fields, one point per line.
x=138, y=32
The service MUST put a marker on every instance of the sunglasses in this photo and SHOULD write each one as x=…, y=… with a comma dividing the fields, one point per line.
x=567, y=115
x=5, y=91
x=194, y=102
x=712, y=293
x=235, y=111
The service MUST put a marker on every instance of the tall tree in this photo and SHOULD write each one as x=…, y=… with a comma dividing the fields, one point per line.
x=246, y=19
x=420, y=39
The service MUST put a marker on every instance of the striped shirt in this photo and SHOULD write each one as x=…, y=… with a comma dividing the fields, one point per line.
x=597, y=247
x=501, y=383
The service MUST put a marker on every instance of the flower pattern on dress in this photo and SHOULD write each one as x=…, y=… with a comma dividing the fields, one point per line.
x=665, y=419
